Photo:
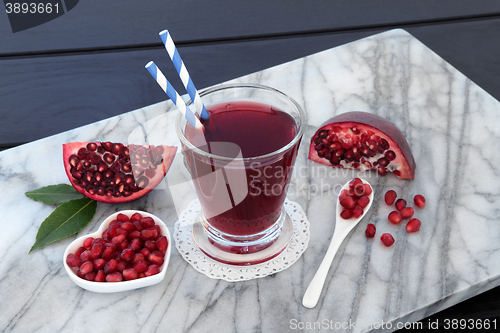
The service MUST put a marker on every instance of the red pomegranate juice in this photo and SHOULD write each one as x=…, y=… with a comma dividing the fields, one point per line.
x=257, y=129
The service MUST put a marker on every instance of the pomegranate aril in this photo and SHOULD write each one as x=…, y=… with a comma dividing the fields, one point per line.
x=141, y=266
x=390, y=196
x=413, y=225
x=419, y=201
x=348, y=202
x=87, y=267
x=139, y=256
x=90, y=276
x=367, y=189
x=135, y=217
x=134, y=234
x=363, y=201
x=407, y=212
x=111, y=266
x=387, y=239
x=147, y=222
x=152, y=270
x=100, y=276
x=121, y=266
x=122, y=217
x=145, y=252
x=118, y=239
x=357, y=211
x=150, y=245
x=355, y=182
x=147, y=234
x=346, y=214
x=109, y=252
x=136, y=244
x=370, y=230
x=99, y=264
x=127, y=254
x=87, y=243
x=128, y=227
x=156, y=257
x=114, y=277
x=72, y=260
x=130, y=274
x=85, y=256
x=80, y=250
x=395, y=217
x=162, y=243
x=343, y=194
x=400, y=204
x=97, y=250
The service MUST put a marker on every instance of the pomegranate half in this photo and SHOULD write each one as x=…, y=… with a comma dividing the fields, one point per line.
x=114, y=172
x=363, y=141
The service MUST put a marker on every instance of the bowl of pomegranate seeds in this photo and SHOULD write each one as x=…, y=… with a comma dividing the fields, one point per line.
x=130, y=250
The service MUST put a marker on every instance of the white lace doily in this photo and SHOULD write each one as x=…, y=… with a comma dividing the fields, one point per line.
x=186, y=246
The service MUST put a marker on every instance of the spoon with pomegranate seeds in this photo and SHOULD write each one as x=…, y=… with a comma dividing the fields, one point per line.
x=355, y=199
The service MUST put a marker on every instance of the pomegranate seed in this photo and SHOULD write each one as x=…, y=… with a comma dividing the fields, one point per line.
x=147, y=234
x=90, y=276
x=342, y=194
x=162, y=243
x=395, y=217
x=152, y=270
x=72, y=260
x=130, y=274
x=145, y=252
x=357, y=211
x=141, y=266
x=100, y=276
x=400, y=204
x=147, y=222
x=97, y=250
x=139, y=256
x=135, y=217
x=109, y=252
x=98, y=241
x=156, y=257
x=136, y=244
x=370, y=230
x=134, y=234
x=355, y=183
x=150, y=245
x=387, y=239
x=87, y=243
x=407, y=212
x=121, y=231
x=114, y=277
x=346, y=214
x=87, y=267
x=367, y=189
x=141, y=275
x=122, y=218
x=127, y=254
x=118, y=239
x=413, y=225
x=419, y=201
x=111, y=266
x=128, y=226
x=121, y=266
x=348, y=202
x=138, y=226
x=390, y=196
x=363, y=201
x=80, y=250
x=85, y=256
x=99, y=264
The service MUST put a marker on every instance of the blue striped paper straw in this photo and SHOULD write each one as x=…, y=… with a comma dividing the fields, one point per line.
x=184, y=75
x=174, y=96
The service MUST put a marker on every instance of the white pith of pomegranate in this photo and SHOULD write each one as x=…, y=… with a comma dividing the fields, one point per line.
x=113, y=172
x=363, y=141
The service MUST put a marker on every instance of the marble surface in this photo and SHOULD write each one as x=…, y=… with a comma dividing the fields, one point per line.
x=453, y=128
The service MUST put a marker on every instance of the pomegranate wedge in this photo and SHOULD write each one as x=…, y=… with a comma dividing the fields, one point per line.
x=363, y=141
x=114, y=172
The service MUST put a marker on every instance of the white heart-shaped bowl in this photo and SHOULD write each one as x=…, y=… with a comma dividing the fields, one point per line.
x=112, y=287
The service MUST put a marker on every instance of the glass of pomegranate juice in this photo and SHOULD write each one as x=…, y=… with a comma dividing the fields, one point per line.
x=241, y=165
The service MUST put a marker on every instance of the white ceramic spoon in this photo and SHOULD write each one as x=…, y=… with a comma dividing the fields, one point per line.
x=342, y=229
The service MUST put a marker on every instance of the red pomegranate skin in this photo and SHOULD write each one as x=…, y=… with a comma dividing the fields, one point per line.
x=383, y=128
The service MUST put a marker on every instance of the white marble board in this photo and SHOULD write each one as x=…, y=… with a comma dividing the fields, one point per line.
x=453, y=128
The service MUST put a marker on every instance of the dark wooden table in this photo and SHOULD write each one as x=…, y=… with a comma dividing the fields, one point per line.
x=88, y=64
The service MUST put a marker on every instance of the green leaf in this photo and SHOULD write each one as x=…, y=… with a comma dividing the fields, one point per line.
x=67, y=219
x=54, y=194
